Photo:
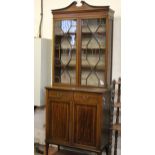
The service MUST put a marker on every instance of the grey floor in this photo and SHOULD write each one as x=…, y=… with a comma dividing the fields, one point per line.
x=118, y=148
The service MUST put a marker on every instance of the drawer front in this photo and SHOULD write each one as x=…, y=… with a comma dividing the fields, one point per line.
x=58, y=95
x=88, y=98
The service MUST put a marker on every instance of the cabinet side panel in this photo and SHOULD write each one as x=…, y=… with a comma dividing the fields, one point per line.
x=110, y=51
x=105, y=119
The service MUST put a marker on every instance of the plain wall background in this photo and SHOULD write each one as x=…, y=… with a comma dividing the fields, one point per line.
x=48, y=5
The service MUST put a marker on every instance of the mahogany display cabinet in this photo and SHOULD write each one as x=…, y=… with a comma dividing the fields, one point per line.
x=78, y=102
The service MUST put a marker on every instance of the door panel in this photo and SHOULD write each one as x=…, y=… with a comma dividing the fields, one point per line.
x=65, y=32
x=85, y=124
x=59, y=121
x=93, y=47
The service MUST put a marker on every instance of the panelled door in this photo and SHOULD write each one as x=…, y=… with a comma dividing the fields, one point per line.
x=85, y=119
x=65, y=40
x=59, y=121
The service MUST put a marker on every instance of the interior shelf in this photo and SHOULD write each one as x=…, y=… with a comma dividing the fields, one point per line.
x=86, y=49
x=83, y=67
x=83, y=33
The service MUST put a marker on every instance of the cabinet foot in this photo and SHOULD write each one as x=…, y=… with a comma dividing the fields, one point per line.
x=107, y=150
x=46, y=149
x=58, y=147
x=115, y=146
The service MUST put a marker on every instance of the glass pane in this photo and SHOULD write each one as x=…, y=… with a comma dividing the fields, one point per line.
x=93, y=52
x=65, y=51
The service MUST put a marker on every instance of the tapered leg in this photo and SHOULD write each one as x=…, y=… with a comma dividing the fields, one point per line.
x=46, y=149
x=100, y=153
x=115, y=146
x=110, y=143
x=107, y=149
x=58, y=147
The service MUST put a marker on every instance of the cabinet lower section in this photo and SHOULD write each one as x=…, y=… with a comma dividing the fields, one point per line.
x=77, y=118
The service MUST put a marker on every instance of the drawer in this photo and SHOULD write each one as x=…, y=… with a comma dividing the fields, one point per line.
x=59, y=95
x=86, y=98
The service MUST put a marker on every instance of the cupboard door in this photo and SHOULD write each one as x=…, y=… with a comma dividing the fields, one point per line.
x=59, y=118
x=85, y=123
x=65, y=51
x=93, y=47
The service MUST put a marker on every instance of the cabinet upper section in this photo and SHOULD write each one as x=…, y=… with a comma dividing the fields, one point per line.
x=82, y=45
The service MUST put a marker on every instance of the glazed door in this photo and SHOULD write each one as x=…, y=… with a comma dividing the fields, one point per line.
x=85, y=120
x=65, y=36
x=59, y=119
x=93, y=52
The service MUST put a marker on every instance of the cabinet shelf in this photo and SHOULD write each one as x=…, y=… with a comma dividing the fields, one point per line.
x=98, y=68
x=82, y=33
x=90, y=33
x=83, y=67
x=103, y=25
x=83, y=49
x=65, y=34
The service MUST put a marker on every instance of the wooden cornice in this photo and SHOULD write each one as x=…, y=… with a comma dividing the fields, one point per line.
x=73, y=8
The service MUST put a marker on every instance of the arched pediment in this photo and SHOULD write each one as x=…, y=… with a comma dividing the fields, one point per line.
x=84, y=7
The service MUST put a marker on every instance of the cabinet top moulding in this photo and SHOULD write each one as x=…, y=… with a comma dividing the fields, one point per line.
x=73, y=8
x=81, y=89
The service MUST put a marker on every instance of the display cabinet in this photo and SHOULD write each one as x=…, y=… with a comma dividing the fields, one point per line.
x=78, y=102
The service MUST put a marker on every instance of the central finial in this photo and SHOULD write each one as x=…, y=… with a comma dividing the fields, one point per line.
x=78, y=3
